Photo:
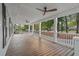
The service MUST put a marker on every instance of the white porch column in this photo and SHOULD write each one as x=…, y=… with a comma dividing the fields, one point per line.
x=40, y=29
x=55, y=29
x=29, y=28
x=32, y=28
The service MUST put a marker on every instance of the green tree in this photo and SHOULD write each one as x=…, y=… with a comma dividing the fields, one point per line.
x=47, y=25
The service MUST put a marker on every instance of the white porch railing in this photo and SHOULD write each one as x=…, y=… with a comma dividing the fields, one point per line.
x=76, y=46
x=67, y=39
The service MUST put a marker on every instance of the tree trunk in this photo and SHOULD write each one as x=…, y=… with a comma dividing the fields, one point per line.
x=58, y=26
x=66, y=24
x=77, y=20
x=62, y=25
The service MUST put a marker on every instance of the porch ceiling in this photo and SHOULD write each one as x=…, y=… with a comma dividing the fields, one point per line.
x=20, y=12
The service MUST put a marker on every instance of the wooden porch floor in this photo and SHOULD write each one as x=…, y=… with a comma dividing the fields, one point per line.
x=28, y=45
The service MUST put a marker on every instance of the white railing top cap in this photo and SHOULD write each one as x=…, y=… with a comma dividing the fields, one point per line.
x=75, y=37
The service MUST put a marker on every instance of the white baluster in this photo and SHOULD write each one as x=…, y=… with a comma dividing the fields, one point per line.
x=76, y=46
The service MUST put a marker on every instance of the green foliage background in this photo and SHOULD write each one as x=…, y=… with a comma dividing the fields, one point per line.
x=47, y=25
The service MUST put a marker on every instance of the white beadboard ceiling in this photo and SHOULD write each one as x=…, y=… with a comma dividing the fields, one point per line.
x=20, y=12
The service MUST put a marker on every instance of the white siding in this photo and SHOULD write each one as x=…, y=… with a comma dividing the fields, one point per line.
x=0, y=29
x=3, y=50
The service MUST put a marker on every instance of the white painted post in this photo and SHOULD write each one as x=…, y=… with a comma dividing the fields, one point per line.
x=13, y=28
x=32, y=28
x=40, y=29
x=29, y=28
x=76, y=46
x=55, y=29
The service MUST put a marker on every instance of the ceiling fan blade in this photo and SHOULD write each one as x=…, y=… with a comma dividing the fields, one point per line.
x=40, y=9
x=51, y=10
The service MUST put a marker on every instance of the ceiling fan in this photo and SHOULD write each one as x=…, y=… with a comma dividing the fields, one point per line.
x=46, y=10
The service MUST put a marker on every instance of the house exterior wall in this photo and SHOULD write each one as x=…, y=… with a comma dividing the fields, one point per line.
x=8, y=38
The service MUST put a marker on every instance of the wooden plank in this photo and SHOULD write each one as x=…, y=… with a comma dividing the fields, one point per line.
x=33, y=46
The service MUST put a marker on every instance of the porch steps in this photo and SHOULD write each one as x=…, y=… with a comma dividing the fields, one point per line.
x=71, y=53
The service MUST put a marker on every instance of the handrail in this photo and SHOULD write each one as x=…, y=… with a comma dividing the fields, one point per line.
x=66, y=40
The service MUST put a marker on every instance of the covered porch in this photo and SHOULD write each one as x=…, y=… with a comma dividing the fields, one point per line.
x=61, y=39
